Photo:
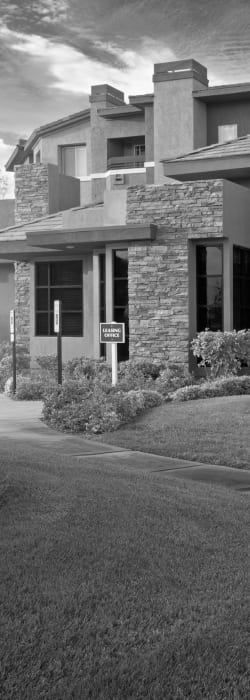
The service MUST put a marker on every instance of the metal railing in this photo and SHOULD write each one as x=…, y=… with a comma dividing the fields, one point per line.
x=122, y=162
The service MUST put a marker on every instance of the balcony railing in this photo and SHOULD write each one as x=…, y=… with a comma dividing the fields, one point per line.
x=121, y=162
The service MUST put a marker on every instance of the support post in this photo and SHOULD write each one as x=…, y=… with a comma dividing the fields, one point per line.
x=58, y=331
x=114, y=363
x=13, y=342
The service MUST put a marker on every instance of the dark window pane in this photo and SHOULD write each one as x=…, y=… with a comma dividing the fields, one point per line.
x=214, y=260
x=102, y=295
x=209, y=260
x=41, y=324
x=202, y=321
x=241, y=287
x=71, y=298
x=120, y=315
x=72, y=324
x=214, y=318
x=214, y=291
x=202, y=290
x=201, y=265
x=42, y=299
x=102, y=267
x=42, y=274
x=121, y=293
x=121, y=263
x=66, y=273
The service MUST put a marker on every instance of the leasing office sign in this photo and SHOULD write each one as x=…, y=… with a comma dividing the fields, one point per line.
x=112, y=332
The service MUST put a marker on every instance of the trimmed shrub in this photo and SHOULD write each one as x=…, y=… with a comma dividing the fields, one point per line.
x=152, y=398
x=47, y=363
x=22, y=361
x=222, y=353
x=85, y=367
x=172, y=378
x=224, y=386
x=28, y=389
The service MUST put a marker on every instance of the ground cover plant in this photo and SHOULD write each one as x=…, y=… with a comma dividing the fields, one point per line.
x=118, y=585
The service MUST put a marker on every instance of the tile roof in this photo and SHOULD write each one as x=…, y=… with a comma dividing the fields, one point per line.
x=237, y=147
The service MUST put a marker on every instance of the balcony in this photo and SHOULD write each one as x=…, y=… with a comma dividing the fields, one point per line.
x=123, y=162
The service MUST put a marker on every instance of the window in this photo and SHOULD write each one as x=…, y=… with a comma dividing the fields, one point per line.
x=209, y=286
x=120, y=263
x=241, y=288
x=63, y=281
x=38, y=157
x=102, y=296
x=139, y=149
x=73, y=160
x=227, y=132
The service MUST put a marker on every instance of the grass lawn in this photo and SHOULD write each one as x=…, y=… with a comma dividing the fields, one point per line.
x=118, y=585
x=213, y=431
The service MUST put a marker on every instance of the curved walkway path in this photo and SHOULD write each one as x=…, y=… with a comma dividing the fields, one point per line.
x=21, y=421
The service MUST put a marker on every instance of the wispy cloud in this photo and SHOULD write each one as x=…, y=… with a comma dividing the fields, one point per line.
x=52, y=51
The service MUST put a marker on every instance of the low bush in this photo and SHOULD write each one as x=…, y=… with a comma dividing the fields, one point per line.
x=47, y=364
x=171, y=378
x=28, y=389
x=81, y=407
x=22, y=361
x=222, y=353
x=224, y=386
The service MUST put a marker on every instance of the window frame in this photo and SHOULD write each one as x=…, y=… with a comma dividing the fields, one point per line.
x=61, y=149
x=226, y=126
x=50, y=311
x=207, y=276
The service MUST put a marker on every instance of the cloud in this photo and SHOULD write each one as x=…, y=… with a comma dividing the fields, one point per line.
x=73, y=72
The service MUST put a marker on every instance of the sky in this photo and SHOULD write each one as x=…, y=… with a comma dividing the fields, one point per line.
x=52, y=51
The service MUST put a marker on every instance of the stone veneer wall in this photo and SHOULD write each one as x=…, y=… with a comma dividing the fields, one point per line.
x=31, y=192
x=158, y=273
x=32, y=202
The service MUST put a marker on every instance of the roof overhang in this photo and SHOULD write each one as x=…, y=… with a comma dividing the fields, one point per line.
x=120, y=112
x=227, y=167
x=224, y=93
x=73, y=242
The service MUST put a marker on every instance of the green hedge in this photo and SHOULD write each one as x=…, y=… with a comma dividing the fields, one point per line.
x=225, y=386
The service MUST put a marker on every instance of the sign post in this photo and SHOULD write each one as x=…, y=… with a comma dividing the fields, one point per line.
x=58, y=331
x=13, y=342
x=113, y=333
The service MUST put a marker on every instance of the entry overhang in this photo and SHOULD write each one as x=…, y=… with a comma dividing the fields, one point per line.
x=80, y=239
x=72, y=242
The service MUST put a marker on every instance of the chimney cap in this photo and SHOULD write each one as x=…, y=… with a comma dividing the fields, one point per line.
x=179, y=70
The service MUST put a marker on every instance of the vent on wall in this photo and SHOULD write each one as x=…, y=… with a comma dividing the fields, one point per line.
x=118, y=179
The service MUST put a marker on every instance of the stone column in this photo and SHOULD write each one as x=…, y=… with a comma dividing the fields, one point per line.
x=32, y=202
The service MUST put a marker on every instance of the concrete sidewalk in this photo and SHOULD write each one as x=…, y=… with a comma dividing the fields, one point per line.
x=21, y=421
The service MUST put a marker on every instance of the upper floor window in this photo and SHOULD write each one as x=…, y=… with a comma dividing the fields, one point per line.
x=227, y=132
x=73, y=160
x=38, y=157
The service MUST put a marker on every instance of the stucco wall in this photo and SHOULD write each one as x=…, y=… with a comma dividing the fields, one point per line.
x=7, y=212
x=234, y=112
x=159, y=293
x=78, y=134
x=179, y=122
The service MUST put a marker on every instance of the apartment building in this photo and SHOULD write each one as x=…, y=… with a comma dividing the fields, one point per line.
x=135, y=211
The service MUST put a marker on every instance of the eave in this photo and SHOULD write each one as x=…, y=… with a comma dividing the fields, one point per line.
x=73, y=242
x=223, y=93
x=126, y=111
x=227, y=167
